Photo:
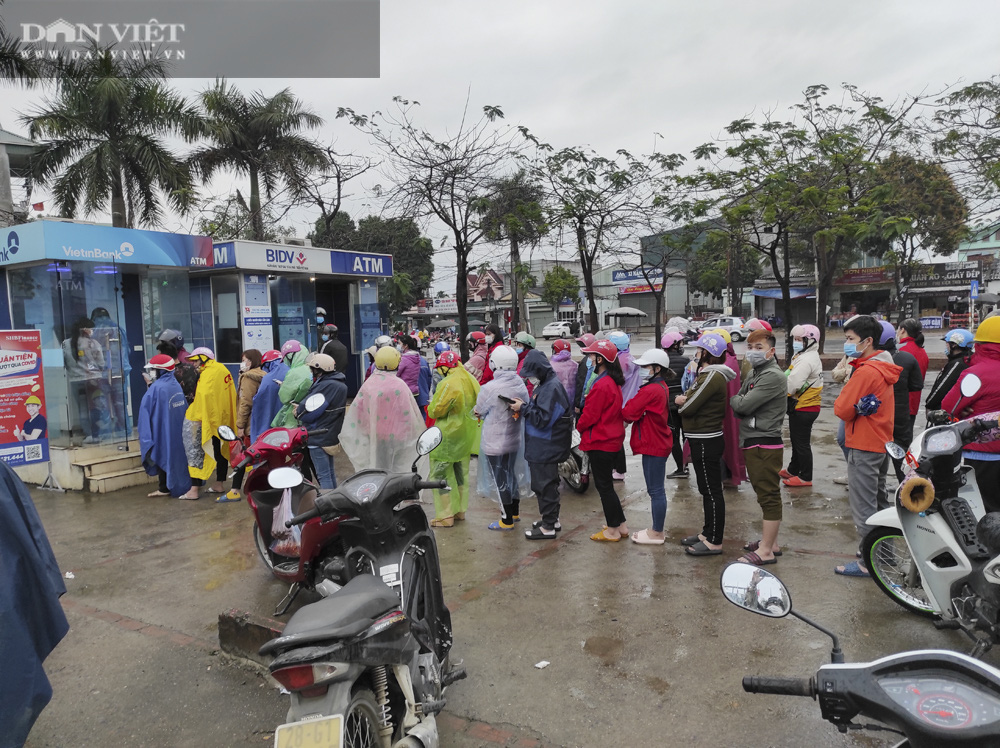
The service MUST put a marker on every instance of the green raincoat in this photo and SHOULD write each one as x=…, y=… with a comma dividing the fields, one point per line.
x=451, y=408
x=295, y=386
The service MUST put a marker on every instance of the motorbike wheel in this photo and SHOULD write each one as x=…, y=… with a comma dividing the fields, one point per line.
x=263, y=551
x=892, y=568
x=361, y=721
x=570, y=471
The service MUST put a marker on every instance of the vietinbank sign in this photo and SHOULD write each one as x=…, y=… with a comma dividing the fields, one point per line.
x=293, y=259
x=67, y=241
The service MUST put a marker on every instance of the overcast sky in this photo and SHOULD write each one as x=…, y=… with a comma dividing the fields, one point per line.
x=611, y=74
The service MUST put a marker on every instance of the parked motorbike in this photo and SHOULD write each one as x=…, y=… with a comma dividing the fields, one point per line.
x=936, y=552
x=316, y=561
x=575, y=469
x=935, y=698
x=369, y=665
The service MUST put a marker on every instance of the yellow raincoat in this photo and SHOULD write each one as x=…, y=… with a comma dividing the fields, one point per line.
x=214, y=405
x=451, y=408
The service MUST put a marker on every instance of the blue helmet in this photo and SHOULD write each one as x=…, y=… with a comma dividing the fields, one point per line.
x=440, y=348
x=620, y=339
x=712, y=343
x=960, y=337
x=888, y=332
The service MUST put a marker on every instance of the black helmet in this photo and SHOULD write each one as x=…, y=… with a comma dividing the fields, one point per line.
x=174, y=337
x=329, y=329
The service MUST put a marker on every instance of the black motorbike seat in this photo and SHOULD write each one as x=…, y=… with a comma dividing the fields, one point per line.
x=345, y=613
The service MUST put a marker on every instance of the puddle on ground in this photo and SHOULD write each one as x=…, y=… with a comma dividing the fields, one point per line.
x=605, y=648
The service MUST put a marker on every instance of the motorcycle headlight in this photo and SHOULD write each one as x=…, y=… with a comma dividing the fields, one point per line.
x=941, y=442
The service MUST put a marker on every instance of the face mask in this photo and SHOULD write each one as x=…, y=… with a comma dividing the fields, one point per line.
x=533, y=381
x=756, y=358
x=851, y=350
x=399, y=348
x=153, y=374
x=518, y=349
x=244, y=366
x=324, y=337
x=320, y=318
x=798, y=346
x=590, y=363
x=489, y=340
x=647, y=373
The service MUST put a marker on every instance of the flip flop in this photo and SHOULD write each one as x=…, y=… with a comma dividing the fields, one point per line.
x=691, y=540
x=212, y=490
x=188, y=498
x=536, y=533
x=851, y=570
x=700, y=549
x=754, y=560
x=642, y=538
x=497, y=525
x=226, y=500
x=753, y=545
x=600, y=537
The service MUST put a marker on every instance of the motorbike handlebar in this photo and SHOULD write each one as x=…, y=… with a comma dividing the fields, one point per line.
x=781, y=686
x=438, y=484
x=316, y=432
x=304, y=517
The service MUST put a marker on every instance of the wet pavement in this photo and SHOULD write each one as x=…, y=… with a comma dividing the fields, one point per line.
x=643, y=649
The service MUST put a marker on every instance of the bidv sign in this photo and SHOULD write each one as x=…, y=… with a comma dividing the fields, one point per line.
x=290, y=257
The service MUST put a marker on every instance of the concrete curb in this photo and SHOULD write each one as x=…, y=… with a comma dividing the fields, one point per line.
x=242, y=634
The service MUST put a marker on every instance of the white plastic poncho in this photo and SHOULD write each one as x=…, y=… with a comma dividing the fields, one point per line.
x=382, y=425
x=502, y=435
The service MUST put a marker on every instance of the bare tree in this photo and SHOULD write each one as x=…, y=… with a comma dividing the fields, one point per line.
x=325, y=187
x=446, y=177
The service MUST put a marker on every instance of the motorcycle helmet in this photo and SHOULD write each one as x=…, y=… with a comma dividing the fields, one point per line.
x=382, y=341
x=988, y=331
x=620, y=339
x=603, y=348
x=271, y=355
x=387, y=359
x=724, y=334
x=447, y=360
x=290, y=346
x=475, y=338
x=330, y=330
x=441, y=347
x=174, y=337
x=560, y=345
x=670, y=339
x=888, y=332
x=758, y=324
x=960, y=337
x=586, y=339
x=524, y=339
x=711, y=342
x=503, y=358
x=203, y=353
x=654, y=356
x=161, y=361
x=322, y=362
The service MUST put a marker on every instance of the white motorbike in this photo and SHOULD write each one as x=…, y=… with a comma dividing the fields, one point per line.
x=937, y=552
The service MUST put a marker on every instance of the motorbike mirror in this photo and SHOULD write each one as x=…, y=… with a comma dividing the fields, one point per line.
x=970, y=385
x=429, y=441
x=227, y=433
x=314, y=402
x=284, y=477
x=756, y=590
x=895, y=451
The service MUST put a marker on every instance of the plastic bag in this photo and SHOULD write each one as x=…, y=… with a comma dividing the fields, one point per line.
x=291, y=545
x=287, y=540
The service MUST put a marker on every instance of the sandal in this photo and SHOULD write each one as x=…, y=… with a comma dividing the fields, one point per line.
x=642, y=538
x=497, y=525
x=600, y=537
x=460, y=516
x=851, y=570
x=754, y=560
x=154, y=494
x=691, y=540
x=700, y=549
x=444, y=522
x=753, y=545
x=537, y=533
x=538, y=523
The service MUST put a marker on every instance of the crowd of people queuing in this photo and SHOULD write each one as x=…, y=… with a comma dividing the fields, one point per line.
x=516, y=408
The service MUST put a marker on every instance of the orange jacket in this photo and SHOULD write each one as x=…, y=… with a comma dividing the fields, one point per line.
x=873, y=375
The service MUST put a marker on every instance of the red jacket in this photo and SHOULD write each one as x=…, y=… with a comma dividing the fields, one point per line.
x=487, y=371
x=986, y=366
x=600, y=424
x=911, y=347
x=648, y=411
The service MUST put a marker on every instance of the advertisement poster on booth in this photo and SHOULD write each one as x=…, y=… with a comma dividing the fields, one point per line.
x=258, y=330
x=24, y=433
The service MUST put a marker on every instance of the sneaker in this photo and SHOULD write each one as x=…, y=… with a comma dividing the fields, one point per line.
x=682, y=473
x=617, y=476
x=796, y=482
x=840, y=480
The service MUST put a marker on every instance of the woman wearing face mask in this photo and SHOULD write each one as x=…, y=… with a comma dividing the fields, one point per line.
x=583, y=370
x=251, y=375
x=958, y=346
x=494, y=337
x=161, y=429
x=911, y=340
x=84, y=361
x=522, y=345
x=805, y=387
x=214, y=406
x=702, y=409
x=602, y=434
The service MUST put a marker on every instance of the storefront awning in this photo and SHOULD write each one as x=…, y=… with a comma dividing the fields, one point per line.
x=775, y=293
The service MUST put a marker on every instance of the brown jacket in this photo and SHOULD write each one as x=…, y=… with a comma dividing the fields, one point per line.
x=249, y=382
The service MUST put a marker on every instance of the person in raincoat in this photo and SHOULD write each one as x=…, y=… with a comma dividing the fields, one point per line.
x=478, y=355
x=266, y=402
x=503, y=473
x=214, y=406
x=451, y=408
x=564, y=366
x=732, y=457
x=161, y=429
x=296, y=384
x=383, y=423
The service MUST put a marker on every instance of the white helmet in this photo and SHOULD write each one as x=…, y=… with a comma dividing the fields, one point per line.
x=654, y=356
x=382, y=341
x=503, y=358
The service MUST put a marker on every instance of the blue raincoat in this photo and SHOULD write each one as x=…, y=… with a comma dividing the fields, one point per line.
x=161, y=432
x=31, y=619
x=266, y=402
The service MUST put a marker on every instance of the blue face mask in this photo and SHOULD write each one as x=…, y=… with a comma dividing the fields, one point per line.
x=519, y=349
x=798, y=346
x=851, y=350
x=320, y=318
x=325, y=337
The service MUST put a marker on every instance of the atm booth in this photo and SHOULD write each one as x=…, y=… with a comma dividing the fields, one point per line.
x=228, y=296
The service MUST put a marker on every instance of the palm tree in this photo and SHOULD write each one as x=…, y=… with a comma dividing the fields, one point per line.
x=16, y=63
x=257, y=137
x=104, y=136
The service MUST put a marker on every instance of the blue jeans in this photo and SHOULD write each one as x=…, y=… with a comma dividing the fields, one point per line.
x=842, y=437
x=654, y=470
x=323, y=463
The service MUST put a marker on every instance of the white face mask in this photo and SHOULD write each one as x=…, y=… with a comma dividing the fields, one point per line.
x=489, y=340
x=244, y=366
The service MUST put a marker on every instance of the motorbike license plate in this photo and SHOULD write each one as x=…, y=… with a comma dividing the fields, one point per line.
x=316, y=733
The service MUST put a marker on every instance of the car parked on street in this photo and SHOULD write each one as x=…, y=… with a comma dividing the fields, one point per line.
x=557, y=330
x=733, y=325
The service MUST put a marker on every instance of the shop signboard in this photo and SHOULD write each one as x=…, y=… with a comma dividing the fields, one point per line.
x=932, y=323
x=257, y=324
x=644, y=288
x=637, y=276
x=861, y=276
x=945, y=275
x=286, y=258
x=444, y=306
x=24, y=435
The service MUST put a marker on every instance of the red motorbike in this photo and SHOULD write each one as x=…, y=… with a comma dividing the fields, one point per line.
x=313, y=557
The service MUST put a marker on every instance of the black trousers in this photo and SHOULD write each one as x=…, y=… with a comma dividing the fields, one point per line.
x=677, y=450
x=161, y=477
x=545, y=484
x=706, y=456
x=601, y=466
x=620, y=465
x=988, y=478
x=221, y=464
x=502, y=468
x=800, y=426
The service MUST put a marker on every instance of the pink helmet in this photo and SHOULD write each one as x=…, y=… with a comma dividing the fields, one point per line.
x=586, y=339
x=202, y=351
x=291, y=346
x=670, y=338
x=806, y=331
x=271, y=355
x=758, y=324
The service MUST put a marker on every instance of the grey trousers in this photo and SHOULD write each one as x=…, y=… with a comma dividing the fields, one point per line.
x=866, y=473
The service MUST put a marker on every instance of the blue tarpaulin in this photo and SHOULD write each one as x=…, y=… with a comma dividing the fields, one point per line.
x=775, y=293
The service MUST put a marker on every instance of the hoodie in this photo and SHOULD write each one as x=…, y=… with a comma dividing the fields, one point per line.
x=566, y=369
x=409, y=370
x=330, y=416
x=874, y=375
x=705, y=407
x=985, y=365
x=548, y=415
x=478, y=362
x=633, y=375
x=946, y=379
